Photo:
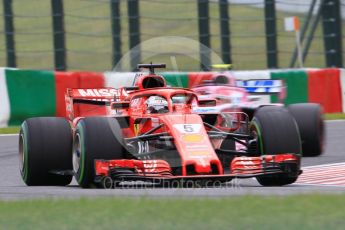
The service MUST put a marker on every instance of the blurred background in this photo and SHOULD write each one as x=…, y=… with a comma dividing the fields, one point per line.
x=93, y=35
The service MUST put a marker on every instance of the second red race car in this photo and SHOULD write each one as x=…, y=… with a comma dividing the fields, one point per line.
x=233, y=95
x=149, y=132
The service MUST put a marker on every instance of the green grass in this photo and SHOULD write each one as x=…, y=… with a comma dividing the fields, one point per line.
x=10, y=130
x=334, y=116
x=159, y=18
x=246, y=212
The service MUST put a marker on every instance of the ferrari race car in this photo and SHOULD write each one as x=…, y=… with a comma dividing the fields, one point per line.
x=243, y=96
x=150, y=133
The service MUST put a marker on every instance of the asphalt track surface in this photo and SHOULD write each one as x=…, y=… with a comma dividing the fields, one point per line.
x=13, y=188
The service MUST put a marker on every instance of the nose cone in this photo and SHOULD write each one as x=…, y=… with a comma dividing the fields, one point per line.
x=193, y=144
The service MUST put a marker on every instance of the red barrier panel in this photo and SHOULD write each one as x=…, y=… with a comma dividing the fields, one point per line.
x=63, y=80
x=90, y=80
x=324, y=88
x=196, y=78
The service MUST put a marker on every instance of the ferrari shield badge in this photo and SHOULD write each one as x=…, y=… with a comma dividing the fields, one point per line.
x=136, y=129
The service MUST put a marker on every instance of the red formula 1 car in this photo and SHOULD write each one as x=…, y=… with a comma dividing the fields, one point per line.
x=150, y=133
x=244, y=95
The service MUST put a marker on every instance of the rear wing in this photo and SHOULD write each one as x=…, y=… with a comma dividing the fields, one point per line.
x=95, y=96
x=263, y=86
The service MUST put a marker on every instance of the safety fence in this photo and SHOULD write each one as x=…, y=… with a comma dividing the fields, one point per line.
x=96, y=35
x=30, y=93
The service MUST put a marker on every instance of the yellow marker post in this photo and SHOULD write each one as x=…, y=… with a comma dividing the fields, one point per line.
x=221, y=66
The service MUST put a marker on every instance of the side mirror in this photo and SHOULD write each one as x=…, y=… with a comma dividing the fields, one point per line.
x=208, y=102
x=131, y=88
x=253, y=98
x=120, y=105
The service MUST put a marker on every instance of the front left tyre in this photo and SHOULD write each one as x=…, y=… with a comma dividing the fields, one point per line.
x=277, y=133
x=45, y=147
x=95, y=138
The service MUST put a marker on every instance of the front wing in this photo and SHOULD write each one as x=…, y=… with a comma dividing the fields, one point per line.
x=160, y=170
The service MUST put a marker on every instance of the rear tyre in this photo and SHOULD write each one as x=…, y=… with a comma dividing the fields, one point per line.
x=45, y=147
x=95, y=138
x=277, y=133
x=311, y=127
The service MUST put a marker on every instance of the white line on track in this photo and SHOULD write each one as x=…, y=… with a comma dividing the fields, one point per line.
x=8, y=135
x=335, y=121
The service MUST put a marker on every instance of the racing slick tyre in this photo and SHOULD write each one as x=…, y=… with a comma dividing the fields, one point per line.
x=276, y=132
x=45, y=149
x=95, y=138
x=311, y=128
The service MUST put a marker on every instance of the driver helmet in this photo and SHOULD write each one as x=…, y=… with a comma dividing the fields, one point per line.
x=157, y=104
